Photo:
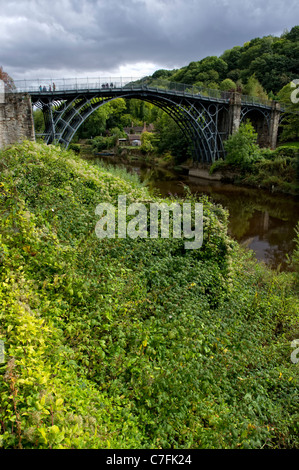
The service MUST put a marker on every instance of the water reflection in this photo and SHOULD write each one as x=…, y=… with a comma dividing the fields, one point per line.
x=259, y=220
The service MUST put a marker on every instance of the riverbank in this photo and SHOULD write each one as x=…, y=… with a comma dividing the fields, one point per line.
x=134, y=343
x=259, y=219
x=258, y=180
x=277, y=172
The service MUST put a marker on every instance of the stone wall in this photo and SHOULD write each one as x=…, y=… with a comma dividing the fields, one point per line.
x=16, y=119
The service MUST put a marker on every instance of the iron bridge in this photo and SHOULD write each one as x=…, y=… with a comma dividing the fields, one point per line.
x=203, y=115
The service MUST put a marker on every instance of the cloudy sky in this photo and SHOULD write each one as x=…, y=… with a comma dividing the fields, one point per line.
x=129, y=38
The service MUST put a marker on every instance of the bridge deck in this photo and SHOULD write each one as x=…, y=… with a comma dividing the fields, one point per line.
x=65, y=88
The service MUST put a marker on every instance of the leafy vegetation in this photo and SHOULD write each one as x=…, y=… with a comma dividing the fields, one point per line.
x=250, y=164
x=241, y=147
x=133, y=343
x=261, y=66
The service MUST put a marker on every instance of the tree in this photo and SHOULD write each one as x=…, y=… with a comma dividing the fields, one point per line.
x=241, y=147
x=147, y=139
x=254, y=88
x=293, y=35
x=272, y=70
x=232, y=57
x=228, y=85
x=39, y=122
x=163, y=73
x=97, y=123
x=170, y=138
x=8, y=81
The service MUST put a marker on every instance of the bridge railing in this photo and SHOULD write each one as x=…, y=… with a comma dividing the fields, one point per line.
x=193, y=90
x=103, y=83
x=254, y=100
x=69, y=84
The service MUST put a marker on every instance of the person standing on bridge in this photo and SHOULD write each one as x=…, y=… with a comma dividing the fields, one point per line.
x=54, y=86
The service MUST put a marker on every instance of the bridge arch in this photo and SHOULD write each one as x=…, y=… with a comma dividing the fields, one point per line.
x=197, y=121
x=261, y=120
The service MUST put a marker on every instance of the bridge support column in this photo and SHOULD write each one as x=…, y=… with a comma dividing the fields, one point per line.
x=274, y=123
x=234, y=113
x=16, y=118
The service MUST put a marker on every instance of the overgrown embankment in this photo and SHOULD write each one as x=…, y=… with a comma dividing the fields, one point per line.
x=131, y=343
x=246, y=163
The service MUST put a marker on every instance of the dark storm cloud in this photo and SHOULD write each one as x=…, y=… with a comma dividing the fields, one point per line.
x=86, y=36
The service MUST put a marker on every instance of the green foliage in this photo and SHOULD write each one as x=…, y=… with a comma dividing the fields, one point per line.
x=241, y=147
x=208, y=70
x=228, y=85
x=75, y=147
x=122, y=343
x=162, y=73
x=171, y=139
x=293, y=35
x=271, y=169
x=39, y=123
x=218, y=165
x=100, y=143
x=106, y=116
x=254, y=88
x=273, y=61
x=147, y=140
x=141, y=111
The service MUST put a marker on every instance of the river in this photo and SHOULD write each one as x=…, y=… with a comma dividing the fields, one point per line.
x=259, y=220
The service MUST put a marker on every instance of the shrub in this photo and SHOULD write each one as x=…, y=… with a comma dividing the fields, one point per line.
x=75, y=147
x=241, y=147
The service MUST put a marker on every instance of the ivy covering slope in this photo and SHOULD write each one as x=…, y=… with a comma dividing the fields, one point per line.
x=129, y=343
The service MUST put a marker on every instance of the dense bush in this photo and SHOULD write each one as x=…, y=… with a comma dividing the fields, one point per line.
x=249, y=164
x=128, y=343
x=241, y=147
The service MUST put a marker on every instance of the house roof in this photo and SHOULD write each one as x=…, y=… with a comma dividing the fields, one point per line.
x=138, y=129
x=134, y=137
x=135, y=129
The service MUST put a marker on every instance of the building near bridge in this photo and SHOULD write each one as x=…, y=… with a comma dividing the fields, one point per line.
x=134, y=134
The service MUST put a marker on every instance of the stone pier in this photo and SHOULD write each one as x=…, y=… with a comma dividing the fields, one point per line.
x=16, y=117
x=274, y=123
x=234, y=113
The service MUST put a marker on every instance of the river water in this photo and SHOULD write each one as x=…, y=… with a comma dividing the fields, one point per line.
x=260, y=220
